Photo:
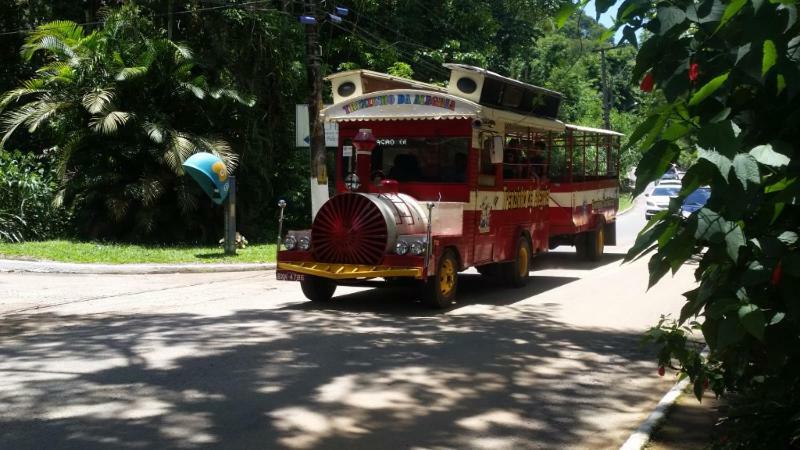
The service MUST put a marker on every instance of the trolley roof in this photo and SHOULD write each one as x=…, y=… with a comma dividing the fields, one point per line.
x=365, y=95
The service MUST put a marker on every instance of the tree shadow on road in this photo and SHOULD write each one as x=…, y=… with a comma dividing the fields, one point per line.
x=360, y=374
x=571, y=261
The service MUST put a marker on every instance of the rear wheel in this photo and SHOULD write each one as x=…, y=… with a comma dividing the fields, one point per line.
x=595, y=243
x=517, y=271
x=318, y=289
x=580, y=245
x=442, y=287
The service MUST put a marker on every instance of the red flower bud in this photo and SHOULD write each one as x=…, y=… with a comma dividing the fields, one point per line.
x=694, y=71
x=777, y=273
x=647, y=82
x=661, y=371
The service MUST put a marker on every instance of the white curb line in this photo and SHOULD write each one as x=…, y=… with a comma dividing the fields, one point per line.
x=11, y=265
x=641, y=436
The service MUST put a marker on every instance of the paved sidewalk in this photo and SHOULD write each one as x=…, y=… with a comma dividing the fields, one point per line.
x=689, y=424
x=13, y=265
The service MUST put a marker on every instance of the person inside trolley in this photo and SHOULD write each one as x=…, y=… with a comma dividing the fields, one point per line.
x=538, y=158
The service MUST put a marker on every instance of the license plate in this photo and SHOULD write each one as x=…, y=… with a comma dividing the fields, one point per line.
x=287, y=275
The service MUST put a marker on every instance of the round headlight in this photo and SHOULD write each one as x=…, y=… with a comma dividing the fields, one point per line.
x=304, y=243
x=351, y=182
x=401, y=248
x=417, y=248
x=290, y=242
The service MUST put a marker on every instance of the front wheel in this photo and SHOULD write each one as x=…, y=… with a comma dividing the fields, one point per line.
x=442, y=287
x=318, y=289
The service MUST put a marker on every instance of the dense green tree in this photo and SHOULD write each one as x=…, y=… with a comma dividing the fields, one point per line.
x=260, y=48
x=125, y=109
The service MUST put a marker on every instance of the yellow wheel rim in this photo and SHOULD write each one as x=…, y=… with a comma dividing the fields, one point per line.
x=600, y=241
x=523, y=261
x=447, y=277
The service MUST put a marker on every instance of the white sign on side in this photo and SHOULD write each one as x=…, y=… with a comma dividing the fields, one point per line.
x=302, y=130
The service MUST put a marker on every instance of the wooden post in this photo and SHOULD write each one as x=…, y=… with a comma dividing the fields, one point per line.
x=230, y=219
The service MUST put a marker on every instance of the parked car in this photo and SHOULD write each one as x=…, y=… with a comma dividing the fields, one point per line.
x=658, y=200
x=670, y=182
x=695, y=201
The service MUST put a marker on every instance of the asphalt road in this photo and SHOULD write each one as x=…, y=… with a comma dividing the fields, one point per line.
x=239, y=360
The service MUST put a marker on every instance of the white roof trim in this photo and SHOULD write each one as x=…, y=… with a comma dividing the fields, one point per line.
x=401, y=104
x=593, y=130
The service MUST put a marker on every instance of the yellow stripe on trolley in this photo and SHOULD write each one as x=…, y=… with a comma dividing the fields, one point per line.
x=348, y=271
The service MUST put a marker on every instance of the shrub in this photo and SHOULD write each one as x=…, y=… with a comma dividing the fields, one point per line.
x=27, y=188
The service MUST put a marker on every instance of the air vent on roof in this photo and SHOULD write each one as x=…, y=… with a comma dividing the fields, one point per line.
x=346, y=89
x=466, y=85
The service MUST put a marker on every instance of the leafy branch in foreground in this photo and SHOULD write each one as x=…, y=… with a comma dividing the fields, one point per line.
x=730, y=75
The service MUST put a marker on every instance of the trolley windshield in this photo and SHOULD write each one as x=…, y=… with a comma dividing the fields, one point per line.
x=425, y=160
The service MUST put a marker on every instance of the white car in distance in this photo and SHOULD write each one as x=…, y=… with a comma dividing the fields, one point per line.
x=658, y=199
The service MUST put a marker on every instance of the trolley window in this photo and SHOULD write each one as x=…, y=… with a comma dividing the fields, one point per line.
x=427, y=160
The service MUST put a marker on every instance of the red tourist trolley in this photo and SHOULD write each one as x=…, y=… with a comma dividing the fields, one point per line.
x=433, y=180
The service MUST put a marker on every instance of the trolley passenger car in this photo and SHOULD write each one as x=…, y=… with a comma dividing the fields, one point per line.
x=434, y=180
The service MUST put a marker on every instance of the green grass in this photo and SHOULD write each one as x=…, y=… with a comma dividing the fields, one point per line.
x=625, y=202
x=96, y=252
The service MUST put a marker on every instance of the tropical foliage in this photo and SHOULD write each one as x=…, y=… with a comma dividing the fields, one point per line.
x=27, y=187
x=124, y=108
x=255, y=49
x=730, y=76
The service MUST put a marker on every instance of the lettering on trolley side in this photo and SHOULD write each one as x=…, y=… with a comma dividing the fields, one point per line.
x=530, y=198
x=400, y=99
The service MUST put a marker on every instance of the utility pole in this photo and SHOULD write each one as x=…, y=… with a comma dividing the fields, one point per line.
x=319, y=176
x=606, y=91
x=170, y=18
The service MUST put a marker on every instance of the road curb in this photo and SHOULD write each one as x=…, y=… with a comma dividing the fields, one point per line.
x=630, y=208
x=11, y=265
x=639, y=439
x=641, y=436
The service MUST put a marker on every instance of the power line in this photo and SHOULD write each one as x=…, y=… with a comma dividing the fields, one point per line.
x=178, y=13
x=376, y=43
x=370, y=38
x=412, y=56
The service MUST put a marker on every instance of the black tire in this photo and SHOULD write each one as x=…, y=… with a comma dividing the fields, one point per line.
x=580, y=245
x=442, y=287
x=318, y=289
x=595, y=243
x=611, y=233
x=518, y=271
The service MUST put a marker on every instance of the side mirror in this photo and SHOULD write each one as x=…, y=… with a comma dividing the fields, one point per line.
x=497, y=150
x=647, y=195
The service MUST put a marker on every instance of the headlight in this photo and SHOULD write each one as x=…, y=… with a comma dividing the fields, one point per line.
x=304, y=243
x=290, y=242
x=417, y=248
x=351, y=182
x=401, y=248
x=685, y=214
x=649, y=203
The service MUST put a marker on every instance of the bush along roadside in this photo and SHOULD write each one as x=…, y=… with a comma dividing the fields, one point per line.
x=27, y=188
x=730, y=76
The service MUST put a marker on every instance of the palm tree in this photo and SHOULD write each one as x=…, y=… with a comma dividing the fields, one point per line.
x=126, y=107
